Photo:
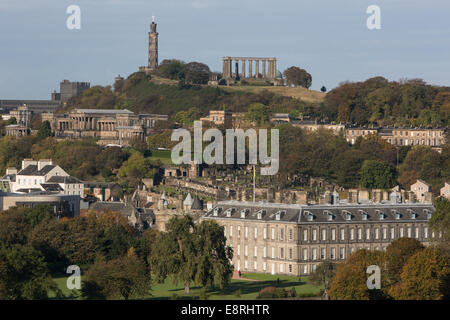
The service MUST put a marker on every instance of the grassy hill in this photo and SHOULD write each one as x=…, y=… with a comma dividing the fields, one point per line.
x=299, y=93
x=143, y=94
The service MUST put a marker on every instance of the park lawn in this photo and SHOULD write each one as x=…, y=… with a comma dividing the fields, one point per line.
x=163, y=155
x=248, y=289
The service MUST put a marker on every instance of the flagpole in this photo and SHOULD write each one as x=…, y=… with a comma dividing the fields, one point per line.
x=254, y=185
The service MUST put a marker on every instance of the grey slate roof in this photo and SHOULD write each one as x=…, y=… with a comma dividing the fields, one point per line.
x=112, y=206
x=61, y=179
x=32, y=170
x=196, y=204
x=51, y=187
x=104, y=111
x=292, y=213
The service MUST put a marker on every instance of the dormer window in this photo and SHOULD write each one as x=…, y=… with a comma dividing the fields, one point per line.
x=428, y=213
x=309, y=216
x=279, y=214
x=230, y=211
x=330, y=216
x=412, y=214
x=364, y=215
x=216, y=211
x=260, y=214
x=347, y=215
x=396, y=214
x=380, y=214
x=244, y=213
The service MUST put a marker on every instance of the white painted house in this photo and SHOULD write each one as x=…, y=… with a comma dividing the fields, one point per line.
x=43, y=175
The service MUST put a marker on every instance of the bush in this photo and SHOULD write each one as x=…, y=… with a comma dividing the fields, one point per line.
x=272, y=292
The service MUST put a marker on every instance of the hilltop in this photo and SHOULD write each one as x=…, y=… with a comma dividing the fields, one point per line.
x=299, y=93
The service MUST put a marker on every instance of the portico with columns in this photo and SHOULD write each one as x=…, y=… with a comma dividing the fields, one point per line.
x=268, y=68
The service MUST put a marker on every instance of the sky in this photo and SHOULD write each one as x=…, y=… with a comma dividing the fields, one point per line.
x=328, y=38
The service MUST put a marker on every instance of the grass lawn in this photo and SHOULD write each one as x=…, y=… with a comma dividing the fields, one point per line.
x=298, y=92
x=248, y=289
x=163, y=155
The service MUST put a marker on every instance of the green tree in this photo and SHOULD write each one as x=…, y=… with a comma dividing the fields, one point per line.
x=377, y=175
x=12, y=120
x=69, y=241
x=213, y=266
x=125, y=277
x=44, y=130
x=191, y=252
x=323, y=89
x=14, y=226
x=440, y=223
x=323, y=275
x=116, y=241
x=134, y=170
x=23, y=274
x=298, y=77
x=172, y=69
x=422, y=163
x=258, y=113
x=197, y=73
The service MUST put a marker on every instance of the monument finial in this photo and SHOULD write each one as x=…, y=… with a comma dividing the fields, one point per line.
x=153, y=19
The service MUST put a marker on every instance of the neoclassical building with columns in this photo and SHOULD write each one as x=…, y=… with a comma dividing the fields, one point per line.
x=293, y=239
x=268, y=68
x=111, y=126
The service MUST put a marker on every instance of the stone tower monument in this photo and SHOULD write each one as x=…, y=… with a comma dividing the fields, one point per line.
x=153, y=46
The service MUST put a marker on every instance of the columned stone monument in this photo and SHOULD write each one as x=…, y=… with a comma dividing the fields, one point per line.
x=268, y=73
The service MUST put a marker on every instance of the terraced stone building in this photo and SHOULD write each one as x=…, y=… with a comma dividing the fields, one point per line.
x=293, y=239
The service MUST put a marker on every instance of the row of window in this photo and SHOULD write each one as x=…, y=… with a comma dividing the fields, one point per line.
x=406, y=142
x=273, y=268
x=418, y=134
x=280, y=255
x=281, y=236
x=366, y=233
x=311, y=254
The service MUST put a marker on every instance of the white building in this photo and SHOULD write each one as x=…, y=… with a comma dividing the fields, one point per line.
x=42, y=175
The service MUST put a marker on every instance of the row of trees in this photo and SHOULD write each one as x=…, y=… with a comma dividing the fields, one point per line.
x=370, y=163
x=116, y=263
x=83, y=158
x=379, y=101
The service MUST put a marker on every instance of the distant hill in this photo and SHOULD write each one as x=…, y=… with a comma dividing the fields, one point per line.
x=297, y=92
x=152, y=94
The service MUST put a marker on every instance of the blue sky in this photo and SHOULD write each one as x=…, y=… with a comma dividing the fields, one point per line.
x=328, y=38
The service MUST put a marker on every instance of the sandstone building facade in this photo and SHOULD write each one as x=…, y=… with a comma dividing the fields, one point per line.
x=111, y=126
x=293, y=239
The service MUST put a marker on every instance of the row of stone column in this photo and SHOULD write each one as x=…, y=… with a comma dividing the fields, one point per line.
x=270, y=73
x=89, y=123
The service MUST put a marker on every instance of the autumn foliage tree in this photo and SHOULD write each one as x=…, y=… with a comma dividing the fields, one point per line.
x=297, y=77
x=350, y=282
x=397, y=254
x=426, y=276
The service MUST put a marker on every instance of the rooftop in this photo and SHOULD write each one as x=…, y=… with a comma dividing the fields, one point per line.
x=340, y=213
x=104, y=111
